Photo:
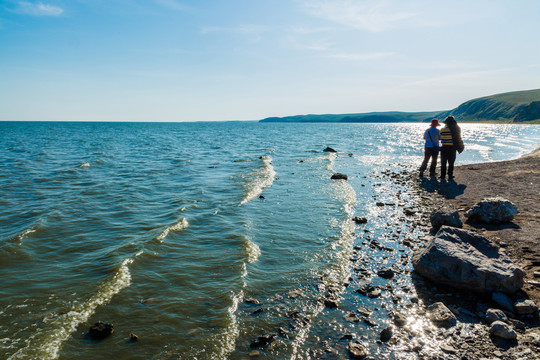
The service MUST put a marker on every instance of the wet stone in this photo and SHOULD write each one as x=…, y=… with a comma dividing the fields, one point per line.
x=356, y=351
x=386, y=334
x=100, y=330
x=263, y=341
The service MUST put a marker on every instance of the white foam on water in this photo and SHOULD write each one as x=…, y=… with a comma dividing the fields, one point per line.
x=259, y=179
x=338, y=271
x=252, y=250
x=18, y=239
x=227, y=338
x=180, y=225
x=47, y=342
x=331, y=160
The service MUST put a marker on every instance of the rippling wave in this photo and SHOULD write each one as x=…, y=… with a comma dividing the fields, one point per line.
x=46, y=342
x=90, y=230
x=259, y=179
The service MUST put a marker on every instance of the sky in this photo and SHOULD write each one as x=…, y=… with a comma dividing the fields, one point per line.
x=213, y=60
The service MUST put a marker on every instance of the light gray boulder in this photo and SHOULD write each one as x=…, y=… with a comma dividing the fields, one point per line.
x=445, y=217
x=466, y=260
x=524, y=307
x=492, y=211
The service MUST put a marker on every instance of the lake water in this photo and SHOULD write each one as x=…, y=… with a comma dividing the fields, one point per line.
x=201, y=237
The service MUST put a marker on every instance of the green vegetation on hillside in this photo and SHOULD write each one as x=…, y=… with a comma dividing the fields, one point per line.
x=511, y=107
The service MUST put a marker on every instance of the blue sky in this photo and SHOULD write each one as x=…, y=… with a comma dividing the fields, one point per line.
x=180, y=60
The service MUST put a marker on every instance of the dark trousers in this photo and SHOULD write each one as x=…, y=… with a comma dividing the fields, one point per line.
x=448, y=157
x=430, y=153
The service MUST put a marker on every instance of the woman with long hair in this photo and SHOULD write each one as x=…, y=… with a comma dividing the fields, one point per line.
x=451, y=144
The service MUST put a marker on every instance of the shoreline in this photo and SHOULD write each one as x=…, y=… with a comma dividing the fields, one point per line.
x=515, y=180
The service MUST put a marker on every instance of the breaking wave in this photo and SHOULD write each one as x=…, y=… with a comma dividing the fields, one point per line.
x=180, y=225
x=259, y=179
x=47, y=342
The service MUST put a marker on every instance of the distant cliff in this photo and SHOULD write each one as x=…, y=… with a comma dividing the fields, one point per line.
x=511, y=107
x=516, y=107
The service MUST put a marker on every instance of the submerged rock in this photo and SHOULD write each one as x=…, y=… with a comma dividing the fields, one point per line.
x=492, y=211
x=100, y=330
x=262, y=341
x=466, y=260
x=386, y=273
x=450, y=218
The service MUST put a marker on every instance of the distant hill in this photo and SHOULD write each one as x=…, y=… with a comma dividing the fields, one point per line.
x=511, y=107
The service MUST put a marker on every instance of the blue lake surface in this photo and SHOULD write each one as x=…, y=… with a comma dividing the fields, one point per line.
x=201, y=237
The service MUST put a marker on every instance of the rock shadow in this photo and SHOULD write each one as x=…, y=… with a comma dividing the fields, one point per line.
x=449, y=189
x=493, y=227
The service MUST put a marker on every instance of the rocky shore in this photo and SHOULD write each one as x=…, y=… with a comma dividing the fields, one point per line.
x=502, y=330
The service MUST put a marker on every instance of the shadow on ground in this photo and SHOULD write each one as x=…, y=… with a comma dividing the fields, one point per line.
x=449, y=189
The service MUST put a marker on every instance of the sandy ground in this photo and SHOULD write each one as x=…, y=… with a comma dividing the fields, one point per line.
x=518, y=181
x=515, y=180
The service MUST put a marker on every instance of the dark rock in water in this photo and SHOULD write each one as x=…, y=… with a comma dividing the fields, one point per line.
x=466, y=260
x=450, y=218
x=329, y=149
x=258, y=311
x=133, y=338
x=386, y=334
x=492, y=211
x=100, y=330
x=261, y=197
x=338, y=176
x=330, y=303
x=263, y=341
x=360, y=220
x=386, y=273
x=441, y=316
x=356, y=351
x=351, y=316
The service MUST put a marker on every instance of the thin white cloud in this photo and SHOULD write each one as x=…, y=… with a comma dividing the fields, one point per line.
x=37, y=9
x=370, y=15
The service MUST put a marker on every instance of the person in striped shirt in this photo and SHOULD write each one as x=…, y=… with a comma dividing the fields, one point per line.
x=431, y=148
x=450, y=139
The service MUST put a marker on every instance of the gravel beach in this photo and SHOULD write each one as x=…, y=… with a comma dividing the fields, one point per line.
x=517, y=181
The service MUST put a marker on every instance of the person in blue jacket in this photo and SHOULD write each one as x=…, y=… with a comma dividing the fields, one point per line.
x=432, y=138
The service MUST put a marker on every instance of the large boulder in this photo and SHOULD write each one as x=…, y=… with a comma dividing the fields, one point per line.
x=492, y=211
x=466, y=260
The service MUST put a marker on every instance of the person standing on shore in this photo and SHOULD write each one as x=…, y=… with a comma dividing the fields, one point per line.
x=451, y=144
x=431, y=148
